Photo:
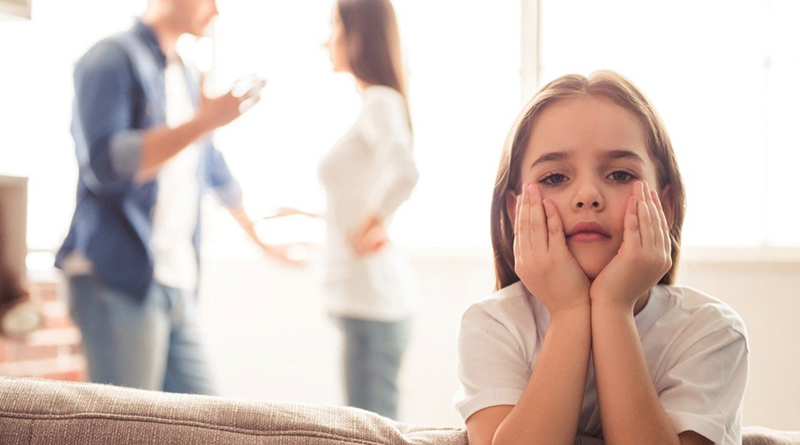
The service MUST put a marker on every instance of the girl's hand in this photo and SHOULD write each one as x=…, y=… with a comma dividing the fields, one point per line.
x=644, y=257
x=542, y=260
x=369, y=236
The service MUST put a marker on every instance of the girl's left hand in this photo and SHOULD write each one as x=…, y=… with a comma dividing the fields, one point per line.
x=369, y=236
x=644, y=257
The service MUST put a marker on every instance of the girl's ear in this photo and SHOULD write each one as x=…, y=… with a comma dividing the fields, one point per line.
x=511, y=206
x=668, y=202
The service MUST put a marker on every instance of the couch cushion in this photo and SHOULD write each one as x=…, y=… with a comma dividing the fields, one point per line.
x=45, y=412
x=52, y=412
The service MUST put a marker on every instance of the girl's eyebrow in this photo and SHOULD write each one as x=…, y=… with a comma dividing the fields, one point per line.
x=551, y=157
x=622, y=154
x=610, y=154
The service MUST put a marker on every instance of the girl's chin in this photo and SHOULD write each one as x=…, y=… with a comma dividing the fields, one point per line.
x=592, y=264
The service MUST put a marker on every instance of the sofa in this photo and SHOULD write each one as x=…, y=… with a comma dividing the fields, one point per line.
x=48, y=412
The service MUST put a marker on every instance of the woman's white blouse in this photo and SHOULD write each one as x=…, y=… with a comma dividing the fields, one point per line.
x=369, y=171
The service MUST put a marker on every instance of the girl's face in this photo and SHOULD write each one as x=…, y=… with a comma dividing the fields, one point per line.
x=336, y=44
x=585, y=154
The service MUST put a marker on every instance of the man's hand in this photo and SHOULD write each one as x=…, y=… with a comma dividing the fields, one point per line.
x=293, y=255
x=219, y=111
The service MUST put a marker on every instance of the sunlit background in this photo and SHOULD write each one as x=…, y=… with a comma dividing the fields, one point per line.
x=723, y=74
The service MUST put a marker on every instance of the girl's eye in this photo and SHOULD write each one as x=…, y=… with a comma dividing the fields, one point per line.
x=622, y=176
x=553, y=179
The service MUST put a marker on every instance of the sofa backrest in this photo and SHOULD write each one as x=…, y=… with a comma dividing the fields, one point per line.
x=49, y=412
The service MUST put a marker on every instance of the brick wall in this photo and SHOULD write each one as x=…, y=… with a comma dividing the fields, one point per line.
x=53, y=351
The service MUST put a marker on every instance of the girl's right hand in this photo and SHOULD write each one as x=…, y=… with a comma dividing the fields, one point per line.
x=542, y=260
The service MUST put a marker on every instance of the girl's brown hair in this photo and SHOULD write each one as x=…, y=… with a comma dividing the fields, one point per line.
x=373, y=42
x=621, y=91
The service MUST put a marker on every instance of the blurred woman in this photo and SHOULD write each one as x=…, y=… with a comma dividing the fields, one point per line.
x=367, y=175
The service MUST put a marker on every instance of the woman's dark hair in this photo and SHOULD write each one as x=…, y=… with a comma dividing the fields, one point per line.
x=373, y=43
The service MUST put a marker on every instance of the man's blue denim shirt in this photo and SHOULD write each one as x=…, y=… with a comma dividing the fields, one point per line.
x=119, y=94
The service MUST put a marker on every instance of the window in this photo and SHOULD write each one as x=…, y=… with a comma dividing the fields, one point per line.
x=36, y=94
x=723, y=77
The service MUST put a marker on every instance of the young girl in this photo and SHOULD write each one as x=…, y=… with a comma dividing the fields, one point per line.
x=587, y=333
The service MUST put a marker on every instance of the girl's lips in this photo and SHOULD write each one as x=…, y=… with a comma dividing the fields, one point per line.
x=588, y=237
x=588, y=231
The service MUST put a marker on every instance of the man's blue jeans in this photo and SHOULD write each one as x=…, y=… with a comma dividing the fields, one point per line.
x=373, y=351
x=153, y=344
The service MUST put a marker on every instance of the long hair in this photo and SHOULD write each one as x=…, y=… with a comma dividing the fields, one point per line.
x=621, y=91
x=373, y=43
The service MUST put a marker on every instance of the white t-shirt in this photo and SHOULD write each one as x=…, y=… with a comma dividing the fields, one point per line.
x=370, y=170
x=695, y=346
x=175, y=213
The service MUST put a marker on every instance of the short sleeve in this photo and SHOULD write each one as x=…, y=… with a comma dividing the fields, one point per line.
x=703, y=391
x=492, y=367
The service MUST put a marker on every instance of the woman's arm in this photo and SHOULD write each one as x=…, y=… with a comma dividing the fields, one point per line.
x=384, y=126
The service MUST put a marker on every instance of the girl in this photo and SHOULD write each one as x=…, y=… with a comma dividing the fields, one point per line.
x=366, y=176
x=587, y=333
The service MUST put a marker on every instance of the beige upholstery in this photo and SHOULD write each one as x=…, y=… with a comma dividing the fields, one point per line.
x=45, y=412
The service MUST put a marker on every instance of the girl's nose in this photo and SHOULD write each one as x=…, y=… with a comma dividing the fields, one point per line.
x=588, y=196
x=595, y=204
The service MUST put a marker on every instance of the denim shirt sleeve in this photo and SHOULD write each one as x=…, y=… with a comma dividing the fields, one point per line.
x=109, y=148
x=221, y=180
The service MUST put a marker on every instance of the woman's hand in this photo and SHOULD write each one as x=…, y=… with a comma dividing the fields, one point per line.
x=369, y=236
x=542, y=260
x=644, y=257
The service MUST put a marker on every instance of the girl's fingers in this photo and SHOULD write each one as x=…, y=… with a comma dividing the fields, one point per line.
x=655, y=220
x=555, y=228
x=516, y=215
x=631, y=235
x=538, y=220
x=663, y=220
x=645, y=220
x=516, y=226
x=524, y=221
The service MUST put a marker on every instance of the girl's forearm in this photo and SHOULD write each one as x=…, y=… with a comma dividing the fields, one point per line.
x=549, y=409
x=630, y=407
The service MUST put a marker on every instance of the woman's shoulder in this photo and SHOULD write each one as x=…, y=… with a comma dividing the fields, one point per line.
x=381, y=91
x=694, y=307
x=382, y=96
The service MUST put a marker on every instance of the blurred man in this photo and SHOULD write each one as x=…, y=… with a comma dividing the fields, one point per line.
x=141, y=126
